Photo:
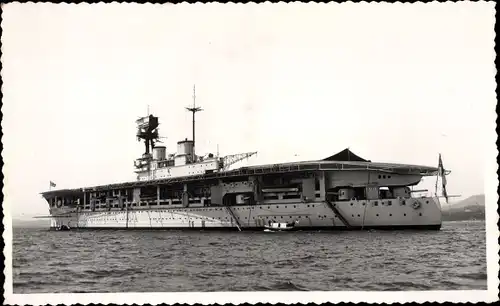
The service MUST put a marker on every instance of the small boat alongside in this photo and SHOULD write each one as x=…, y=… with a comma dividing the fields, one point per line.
x=279, y=227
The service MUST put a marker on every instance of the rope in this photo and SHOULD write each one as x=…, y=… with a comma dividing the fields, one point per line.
x=364, y=211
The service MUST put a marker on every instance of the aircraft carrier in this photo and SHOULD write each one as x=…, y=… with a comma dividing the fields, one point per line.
x=183, y=190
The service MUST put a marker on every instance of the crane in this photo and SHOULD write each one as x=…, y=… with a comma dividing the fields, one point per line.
x=230, y=160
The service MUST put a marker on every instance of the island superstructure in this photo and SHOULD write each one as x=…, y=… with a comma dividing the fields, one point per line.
x=183, y=190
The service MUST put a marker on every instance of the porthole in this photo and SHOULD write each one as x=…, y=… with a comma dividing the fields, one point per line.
x=404, y=215
x=359, y=215
x=353, y=215
x=420, y=214
x=426, y=202
x=390, y=215
x=285, y=206
x=294, y=206
x=352, y=204
x=363, y=203
x=380, y=176
x=377, y=215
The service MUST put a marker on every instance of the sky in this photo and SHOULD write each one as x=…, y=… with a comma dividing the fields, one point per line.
x=394, y=83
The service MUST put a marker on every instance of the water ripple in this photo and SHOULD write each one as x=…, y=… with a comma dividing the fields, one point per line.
x=162, y=261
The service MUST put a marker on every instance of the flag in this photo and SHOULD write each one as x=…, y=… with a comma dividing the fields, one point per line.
x=442, y=171
x=443, y=177
x=52, y=184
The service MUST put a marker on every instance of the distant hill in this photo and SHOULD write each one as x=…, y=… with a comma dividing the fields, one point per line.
x=33, y=223
x=471, y=208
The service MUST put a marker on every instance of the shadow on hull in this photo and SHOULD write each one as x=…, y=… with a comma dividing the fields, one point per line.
x=62, y=228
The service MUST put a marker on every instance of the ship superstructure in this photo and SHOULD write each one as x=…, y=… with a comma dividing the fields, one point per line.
x=156, y=164
x=183, y=190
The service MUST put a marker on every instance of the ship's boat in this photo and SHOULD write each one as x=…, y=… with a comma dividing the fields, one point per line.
x=280, y=227
x=184, y=190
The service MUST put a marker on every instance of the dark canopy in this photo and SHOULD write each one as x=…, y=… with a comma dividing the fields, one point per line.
x=345, y=155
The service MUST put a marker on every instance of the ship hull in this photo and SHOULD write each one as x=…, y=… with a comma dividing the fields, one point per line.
x=435, y=227
x=390, y=214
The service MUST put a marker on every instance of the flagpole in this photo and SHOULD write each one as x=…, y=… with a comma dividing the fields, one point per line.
x=438, y=172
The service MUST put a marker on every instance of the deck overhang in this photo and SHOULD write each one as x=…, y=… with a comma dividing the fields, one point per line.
x=306, y=166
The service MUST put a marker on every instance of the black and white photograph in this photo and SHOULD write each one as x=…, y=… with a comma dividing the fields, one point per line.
x=249, y=153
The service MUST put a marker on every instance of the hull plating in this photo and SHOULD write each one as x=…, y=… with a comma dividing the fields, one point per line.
x=416, y=213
